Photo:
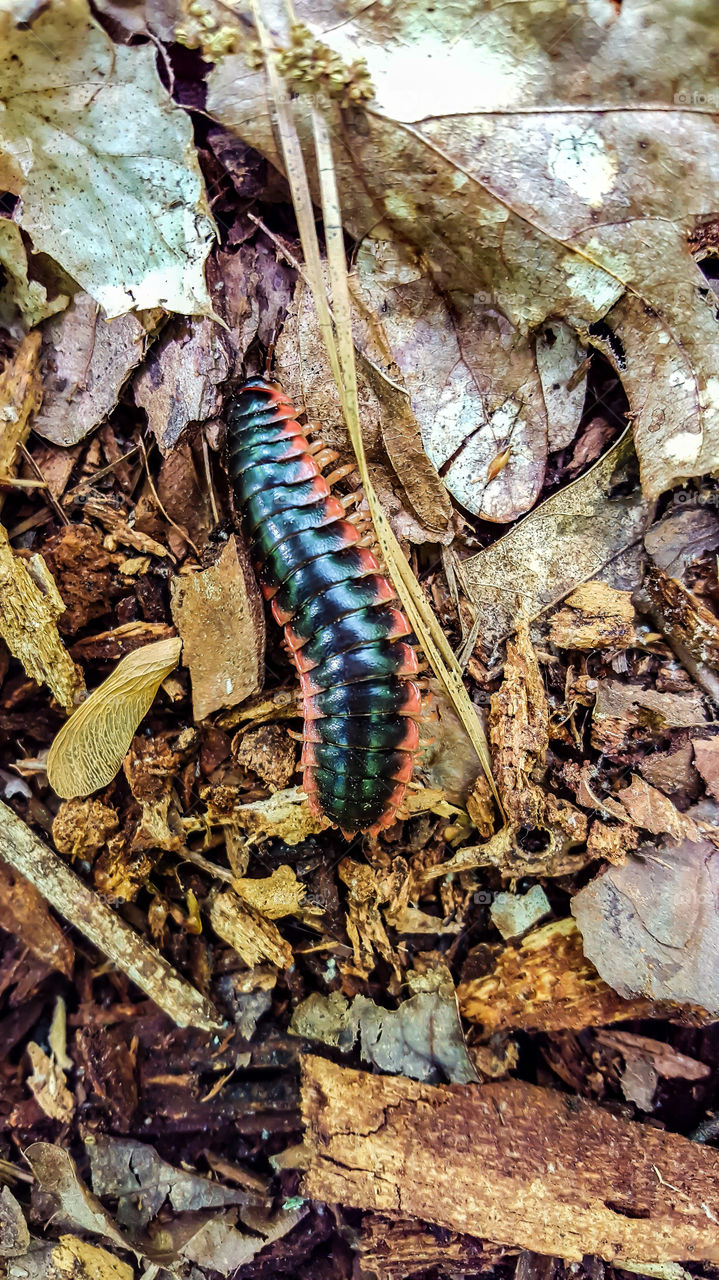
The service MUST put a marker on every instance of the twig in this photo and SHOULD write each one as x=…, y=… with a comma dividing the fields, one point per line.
x=81, y=907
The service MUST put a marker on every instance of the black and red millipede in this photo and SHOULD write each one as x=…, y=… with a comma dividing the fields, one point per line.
x=340, y=615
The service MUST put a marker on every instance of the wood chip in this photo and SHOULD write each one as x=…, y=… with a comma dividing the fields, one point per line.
x=30, y=605
x=252, y=936
x=508, y=1162
x=22, y=849
x=519, y=732
x=595, y=616
x=20, y=396
x=545, y=984
x=221, y=604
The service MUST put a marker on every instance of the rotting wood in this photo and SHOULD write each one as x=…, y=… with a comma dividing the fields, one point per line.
x=20, y=397
x=511, y=1163
x=546, y=984
x=20, y=847
x=30, y=605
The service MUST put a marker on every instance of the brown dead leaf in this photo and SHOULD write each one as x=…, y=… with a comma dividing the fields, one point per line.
x=595, y=616
x=577, y=534
x=180, y=382
x=646, y=1061
x=57, y=1175
x=86, y=360
x=653, y=811
x=672, y=771
x=651, y=928
x=519, y=732
x=471, y=378
x=492, y=180
x=30, y=605
x=25, y=913
x=544, y=984
x=89, y=749
x=222, y=602
x=706, y=754
x=48, y=1085
x=563, y=366
x=280, y=894
x=254, y=938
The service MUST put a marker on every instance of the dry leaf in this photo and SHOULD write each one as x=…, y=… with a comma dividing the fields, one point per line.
x=646, y=1061
x=571, y=537
x=141, y=1181
x=219, y=615
x=25, y=913
x=285, y=815
x=180, y=381
x=48, y=1084
x=651, y=927
x=513, y=914
x=627, y=712
x=14, y=1235
x=706, y=754
x=30, y=605
x=649, y=809
x=507, y=193
x=421, y=1039
x=274, y=896
x=89, y=749
x=135, y=232
x=71, y=1259
x=23, y=302
x=86, y=361
x=57, y=1175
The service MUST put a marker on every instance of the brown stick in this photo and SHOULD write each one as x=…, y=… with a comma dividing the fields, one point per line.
x=511, y=1163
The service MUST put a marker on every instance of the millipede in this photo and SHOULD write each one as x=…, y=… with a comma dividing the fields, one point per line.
x=342, y=624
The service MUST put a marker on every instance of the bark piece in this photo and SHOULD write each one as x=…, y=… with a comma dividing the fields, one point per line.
x=86, y=361
x=20, y=847
x=519, y=732
x=508, y=1162
x=395, y=1248
x=251, y=935
x=625, y=712
x=595, y=616
x=30, y=605
x=20, y=396
x=219, y=615
x=269, y=752
x=546, y=984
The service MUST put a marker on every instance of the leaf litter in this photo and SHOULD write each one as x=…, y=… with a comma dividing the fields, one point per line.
x=523, y=287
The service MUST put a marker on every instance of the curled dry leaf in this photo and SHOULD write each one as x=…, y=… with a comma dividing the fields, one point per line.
x=89, y=749
x=48, y=1085
x=575, y=535
x=510, y=194
x=57, y=1175
x=651, y=927
x=135, y=232
x=25, y=913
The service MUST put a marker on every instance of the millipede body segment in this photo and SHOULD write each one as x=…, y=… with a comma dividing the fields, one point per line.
x=342, y=624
